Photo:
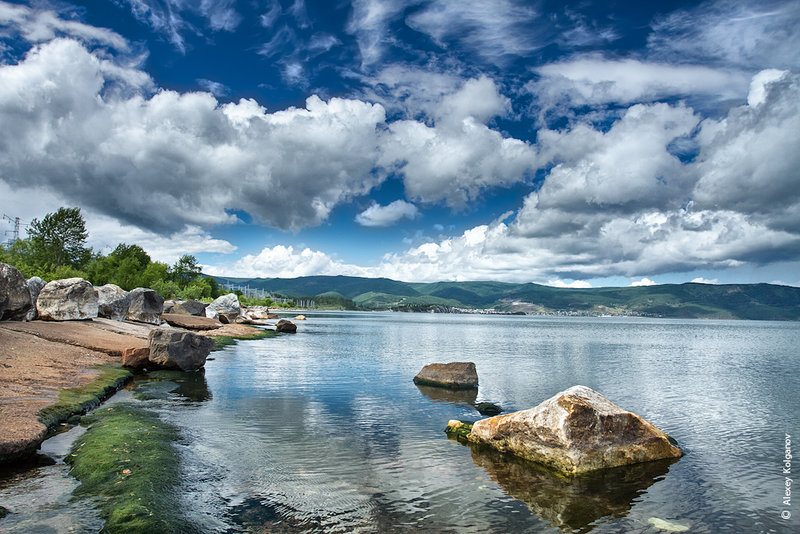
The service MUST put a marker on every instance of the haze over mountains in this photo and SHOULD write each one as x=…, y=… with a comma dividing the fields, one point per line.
x=691, y=300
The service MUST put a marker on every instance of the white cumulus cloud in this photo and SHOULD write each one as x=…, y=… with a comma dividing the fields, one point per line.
x=377, y=215
x=644, y=282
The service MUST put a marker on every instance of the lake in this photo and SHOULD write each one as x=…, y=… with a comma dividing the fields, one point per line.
x=324, y=431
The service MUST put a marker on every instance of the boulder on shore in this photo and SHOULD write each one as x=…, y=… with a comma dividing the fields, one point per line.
x=176, y=349
x=256, y=313
x=135, y=357
x=146, y=306
x=575, y=431
x=35, y=285
x=226, y=307
x=15, y=299
x=112, y=302
x=189, y=307
x=190, y=321
x=287, y=327
x=70, y=299
x=454, y=375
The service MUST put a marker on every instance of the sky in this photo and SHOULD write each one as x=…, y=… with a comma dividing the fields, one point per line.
x=574, y=144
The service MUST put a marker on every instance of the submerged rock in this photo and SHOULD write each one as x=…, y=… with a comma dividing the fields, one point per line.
x=488, y=408
x=146, y=306
x=71, y=299
x=227, y=308
x=455, y=375
x=575, y=431
x=287, y=327
x=112, y=302
x=669, y=526
x=175, y=349
x=15, y=298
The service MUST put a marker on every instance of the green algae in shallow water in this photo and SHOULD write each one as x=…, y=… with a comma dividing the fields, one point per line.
x=126, y=460
x=76, y=401
x=458, y=429
x=220, y=342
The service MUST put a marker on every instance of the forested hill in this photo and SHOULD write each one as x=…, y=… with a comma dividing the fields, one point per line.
x=690, y=300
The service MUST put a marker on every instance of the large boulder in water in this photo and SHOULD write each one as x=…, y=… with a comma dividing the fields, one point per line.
x=70, y=299
x=454, y=375
x=15, y=299
x=178, y=349
x=225, y=308
x=287, y=327
x=146, y=306
x=574, y=432
x=35, y=285
x=112, y=302
x=189, y=307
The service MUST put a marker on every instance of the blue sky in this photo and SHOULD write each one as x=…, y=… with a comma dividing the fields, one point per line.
x=567, y=143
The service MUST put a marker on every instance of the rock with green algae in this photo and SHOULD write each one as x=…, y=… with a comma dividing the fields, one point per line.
x=488, y=408
x=458, y=429
x=575, y=431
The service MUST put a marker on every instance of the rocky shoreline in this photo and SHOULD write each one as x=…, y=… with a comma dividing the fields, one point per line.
x=52, y=370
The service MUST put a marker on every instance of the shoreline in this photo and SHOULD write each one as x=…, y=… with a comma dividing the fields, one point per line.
x=55, y=371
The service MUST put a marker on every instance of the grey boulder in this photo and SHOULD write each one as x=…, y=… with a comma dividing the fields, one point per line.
x=189, y=307
x=146, y=306
x=35, y=285
x=226, y=307
x=15, y=299
x=112, y=302
x=70, y=299
x=178, y=349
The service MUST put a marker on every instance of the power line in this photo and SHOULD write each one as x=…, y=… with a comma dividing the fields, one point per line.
x=15, y=232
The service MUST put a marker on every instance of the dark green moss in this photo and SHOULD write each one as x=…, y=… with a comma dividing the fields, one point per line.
x=79, y=400
x=488, y=408
x=221, y=342
x=458, y=429
x=126, y=461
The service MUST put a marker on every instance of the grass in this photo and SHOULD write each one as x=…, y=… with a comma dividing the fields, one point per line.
x=77, y=401
x=126, y=461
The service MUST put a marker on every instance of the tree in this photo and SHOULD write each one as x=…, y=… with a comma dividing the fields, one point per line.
x=59, y=238
x=185, y=270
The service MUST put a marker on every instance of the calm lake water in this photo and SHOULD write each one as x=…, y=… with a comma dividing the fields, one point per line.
x=324, y=431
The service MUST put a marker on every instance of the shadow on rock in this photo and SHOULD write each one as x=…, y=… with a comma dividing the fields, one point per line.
x=437, y=394
x=570, y=504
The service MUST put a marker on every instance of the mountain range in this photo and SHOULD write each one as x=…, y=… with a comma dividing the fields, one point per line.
x=689, y=300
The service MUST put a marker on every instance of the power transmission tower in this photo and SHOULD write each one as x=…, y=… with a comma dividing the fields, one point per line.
x=15, y=233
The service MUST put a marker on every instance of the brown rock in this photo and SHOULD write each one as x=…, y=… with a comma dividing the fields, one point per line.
x=300, y=318
x=454, y=375
x=136, y=357
x=574, y=432
x=191, y=322
x=287, y=327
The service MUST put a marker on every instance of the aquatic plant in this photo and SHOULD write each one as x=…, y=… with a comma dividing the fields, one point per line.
x=126, y=460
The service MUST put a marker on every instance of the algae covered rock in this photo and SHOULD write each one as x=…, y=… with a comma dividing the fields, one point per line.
x=575, y=431
x=176, y=349
x=15, y=298
x=454, y=375
x=146, y=306
x=71, y=299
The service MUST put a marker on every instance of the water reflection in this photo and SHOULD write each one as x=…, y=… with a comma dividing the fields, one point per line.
x=468, y=396
x=188, y=386
x=570, y=504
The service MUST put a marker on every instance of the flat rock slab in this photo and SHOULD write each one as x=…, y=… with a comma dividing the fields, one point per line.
x=232, y=330
x=33, y=370
x=82, y=334
x=192, y=322
x=454, y=375
x=575, y=431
